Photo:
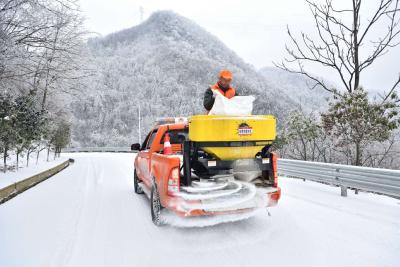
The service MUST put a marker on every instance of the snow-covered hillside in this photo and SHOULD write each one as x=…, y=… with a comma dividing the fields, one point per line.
x=164, y=64
x=298, y=88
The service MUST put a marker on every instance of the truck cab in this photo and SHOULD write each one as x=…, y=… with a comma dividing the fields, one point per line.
x=153, y=145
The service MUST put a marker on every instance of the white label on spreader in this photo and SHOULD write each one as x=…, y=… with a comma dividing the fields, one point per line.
x=245, y=129
x=212, y=163
x=265, y=161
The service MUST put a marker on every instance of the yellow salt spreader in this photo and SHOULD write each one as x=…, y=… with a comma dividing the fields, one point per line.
x=230, y=145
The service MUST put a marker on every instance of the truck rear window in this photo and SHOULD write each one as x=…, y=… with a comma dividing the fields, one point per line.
x=177, y=136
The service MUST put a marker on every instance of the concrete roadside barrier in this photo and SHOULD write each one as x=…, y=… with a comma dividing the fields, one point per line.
x=17, y=188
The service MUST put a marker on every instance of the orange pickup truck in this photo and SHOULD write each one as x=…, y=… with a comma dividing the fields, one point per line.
x=197, y=179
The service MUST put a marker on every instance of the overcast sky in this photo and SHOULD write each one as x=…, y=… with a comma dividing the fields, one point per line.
x=254, y=29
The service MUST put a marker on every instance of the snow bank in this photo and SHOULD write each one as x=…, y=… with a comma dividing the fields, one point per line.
x=24, y=172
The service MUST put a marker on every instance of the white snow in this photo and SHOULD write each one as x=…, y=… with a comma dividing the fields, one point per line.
x=170, y=218
x=89, y=215
x=24, y=172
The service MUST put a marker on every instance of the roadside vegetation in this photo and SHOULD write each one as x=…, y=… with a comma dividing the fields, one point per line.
x=40, y=53
x=357, y=128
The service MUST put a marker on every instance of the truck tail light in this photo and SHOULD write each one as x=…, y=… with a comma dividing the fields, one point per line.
x=274, y=161
x=174, y=182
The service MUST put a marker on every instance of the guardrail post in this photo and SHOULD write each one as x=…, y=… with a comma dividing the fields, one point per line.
x=337, y=174
x=343, y=191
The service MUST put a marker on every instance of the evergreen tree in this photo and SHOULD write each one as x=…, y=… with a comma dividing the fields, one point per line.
x=354, y=122
x=61, y=136
x=7, y=122
x=30, y=123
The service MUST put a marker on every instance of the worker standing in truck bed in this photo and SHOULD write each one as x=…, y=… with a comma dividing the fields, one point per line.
x=223, y=86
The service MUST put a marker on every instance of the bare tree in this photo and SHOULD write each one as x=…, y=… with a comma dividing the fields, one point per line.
x=40, y=46
x=383, y=155
x=343, y=38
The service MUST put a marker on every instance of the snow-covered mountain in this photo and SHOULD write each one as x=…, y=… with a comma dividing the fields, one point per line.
x=298, y=88
x=163, y=65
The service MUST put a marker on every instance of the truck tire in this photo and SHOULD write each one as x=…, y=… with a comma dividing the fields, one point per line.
x=138, y=189
x=155, y=206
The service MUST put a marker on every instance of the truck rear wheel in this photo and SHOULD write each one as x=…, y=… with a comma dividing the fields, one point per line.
x=155, y=206
x=138, y=189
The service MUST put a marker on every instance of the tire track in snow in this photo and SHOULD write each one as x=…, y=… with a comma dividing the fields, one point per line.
x=81, y=186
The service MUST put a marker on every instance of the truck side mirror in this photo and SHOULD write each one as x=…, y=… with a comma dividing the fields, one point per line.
x=135, y=147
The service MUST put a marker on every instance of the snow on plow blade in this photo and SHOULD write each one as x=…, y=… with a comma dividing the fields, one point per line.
x=216, y=197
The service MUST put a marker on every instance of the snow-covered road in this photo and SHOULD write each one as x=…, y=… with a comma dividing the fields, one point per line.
x=88, y=215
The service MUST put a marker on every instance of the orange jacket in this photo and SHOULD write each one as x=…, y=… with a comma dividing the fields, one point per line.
x=231, y=92
x=209, y=98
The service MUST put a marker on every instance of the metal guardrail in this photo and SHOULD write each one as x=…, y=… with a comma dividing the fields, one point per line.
x=96, y=149
x=376, y=180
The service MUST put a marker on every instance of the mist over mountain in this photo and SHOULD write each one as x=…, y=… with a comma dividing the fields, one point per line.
x=162, y=66
x=298, y=88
